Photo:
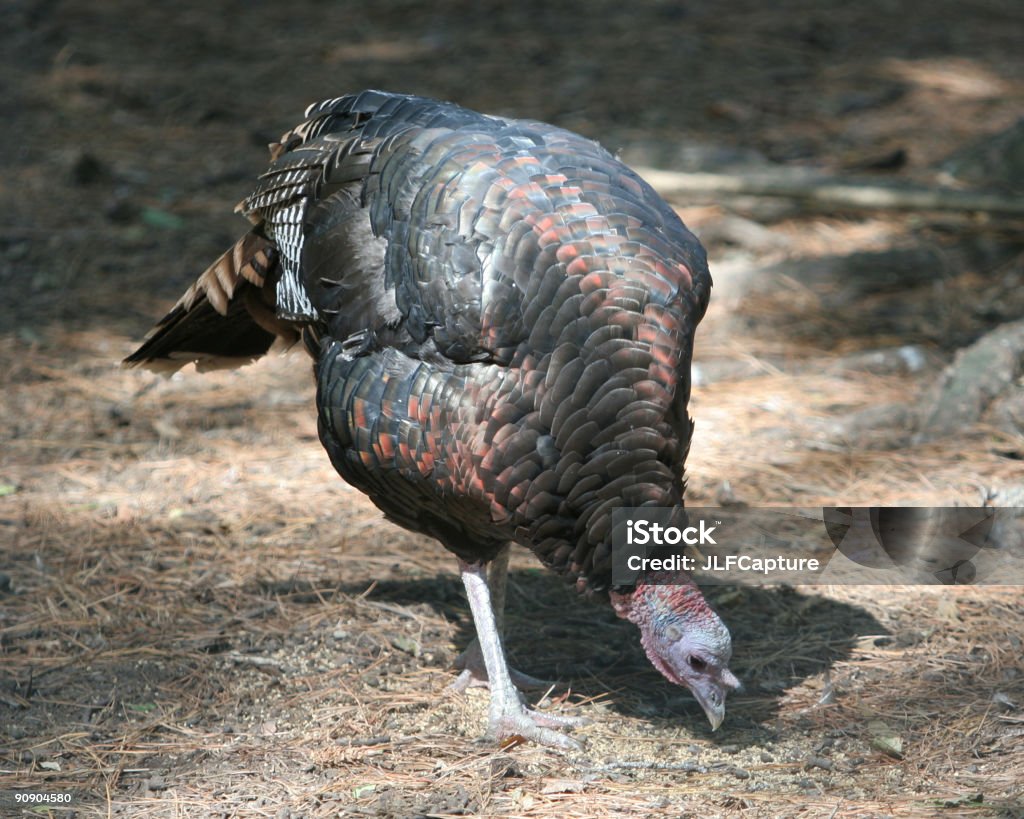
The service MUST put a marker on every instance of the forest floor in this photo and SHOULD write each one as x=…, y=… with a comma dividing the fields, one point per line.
x=198, y=618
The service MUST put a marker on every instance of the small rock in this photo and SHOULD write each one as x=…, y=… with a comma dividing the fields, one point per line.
x=156, y=783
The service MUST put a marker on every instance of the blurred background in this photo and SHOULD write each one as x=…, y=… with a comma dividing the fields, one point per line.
x=131, y=126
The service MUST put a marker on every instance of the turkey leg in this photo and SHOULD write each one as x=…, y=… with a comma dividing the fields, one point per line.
x=471, y=661
x=507, y=715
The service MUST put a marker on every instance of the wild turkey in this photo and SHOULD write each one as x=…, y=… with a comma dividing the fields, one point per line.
x=501, y=317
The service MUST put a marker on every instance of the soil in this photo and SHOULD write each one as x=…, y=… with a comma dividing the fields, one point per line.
x=198, y=618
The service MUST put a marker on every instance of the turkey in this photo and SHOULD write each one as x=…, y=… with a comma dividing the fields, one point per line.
x=501, y=318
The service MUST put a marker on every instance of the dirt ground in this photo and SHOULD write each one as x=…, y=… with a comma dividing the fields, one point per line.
x=198, y=618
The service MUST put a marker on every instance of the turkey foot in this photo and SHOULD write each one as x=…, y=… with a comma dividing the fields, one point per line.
x=507, y=715
x=510, y=719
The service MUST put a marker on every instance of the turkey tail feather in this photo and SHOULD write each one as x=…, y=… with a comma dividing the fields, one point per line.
x=226, y=319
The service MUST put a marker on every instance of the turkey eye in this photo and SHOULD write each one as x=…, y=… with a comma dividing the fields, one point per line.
x=696, y=663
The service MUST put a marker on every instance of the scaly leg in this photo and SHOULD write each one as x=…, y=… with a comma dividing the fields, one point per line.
x=471, y=661
x=507, y=714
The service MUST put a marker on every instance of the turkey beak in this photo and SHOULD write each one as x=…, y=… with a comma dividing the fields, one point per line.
x=710, y=693
x=712, y=699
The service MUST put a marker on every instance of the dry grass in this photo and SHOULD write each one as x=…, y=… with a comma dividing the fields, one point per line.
x=203, y=620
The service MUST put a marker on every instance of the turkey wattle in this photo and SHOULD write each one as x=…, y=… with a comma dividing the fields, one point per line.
x=501, y=317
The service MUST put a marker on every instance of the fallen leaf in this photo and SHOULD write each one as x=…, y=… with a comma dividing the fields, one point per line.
x=885, y=739
x=563, y=786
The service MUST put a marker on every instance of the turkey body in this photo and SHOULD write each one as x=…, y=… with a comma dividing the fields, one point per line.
x=500, y=313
